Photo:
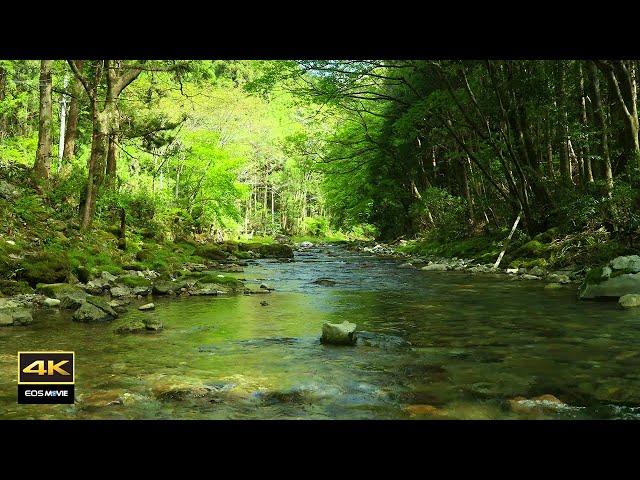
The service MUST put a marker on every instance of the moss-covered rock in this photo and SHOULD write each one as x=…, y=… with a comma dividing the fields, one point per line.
x=276, y=250
x=13, y=287
x=211, y=252
x=90, y=313
x=70, y=296
x=134, y=281
x=45, y=267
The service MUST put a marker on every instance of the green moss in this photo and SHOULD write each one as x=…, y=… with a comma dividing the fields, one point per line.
x=211, y=252
x=45, y=267
x=242, y=255
x=594, y=276
x=12, y=287
x=134, y=281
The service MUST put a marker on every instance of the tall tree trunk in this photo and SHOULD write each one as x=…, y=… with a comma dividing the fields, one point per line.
x=42, y=164
x=112, y=160
x=71, y=132
x=585, y=150
x=565, y=159
x=63, y=122
x=605, y=169
x=95, y=167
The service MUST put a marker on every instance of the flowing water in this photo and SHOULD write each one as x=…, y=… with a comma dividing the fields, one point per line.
x=475, y=341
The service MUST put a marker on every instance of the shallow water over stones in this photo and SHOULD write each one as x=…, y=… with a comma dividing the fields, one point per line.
x=436, y=345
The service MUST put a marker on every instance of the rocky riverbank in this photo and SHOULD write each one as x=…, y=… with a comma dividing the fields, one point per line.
x=619, y=279
x=103, y=296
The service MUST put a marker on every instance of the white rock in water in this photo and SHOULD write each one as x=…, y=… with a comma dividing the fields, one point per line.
x=526, y=276
x=339, y=333
x=630, y=262
x=406, y=265
x=435, y=267
x=10, y=242
x=631, y=300
x=512, y=270
x=51, y=302
x=148, y=306
x=306, y=245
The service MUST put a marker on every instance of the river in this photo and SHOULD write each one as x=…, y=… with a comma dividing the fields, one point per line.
x=476, y=341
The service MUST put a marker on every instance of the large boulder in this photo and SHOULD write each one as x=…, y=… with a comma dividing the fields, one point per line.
x=15, y=317
x=90, y=313
x=45, y=267
x=630, y=263
x=606, y=283
x=630, y=300
x=70, y=296
x=339, y=333
x=12, y=287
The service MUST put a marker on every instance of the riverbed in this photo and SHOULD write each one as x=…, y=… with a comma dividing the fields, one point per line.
x=450, y=345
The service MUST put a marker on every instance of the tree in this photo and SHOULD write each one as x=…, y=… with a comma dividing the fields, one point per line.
x=42, y=165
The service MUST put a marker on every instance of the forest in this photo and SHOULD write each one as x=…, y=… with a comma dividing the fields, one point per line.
x=142, y=178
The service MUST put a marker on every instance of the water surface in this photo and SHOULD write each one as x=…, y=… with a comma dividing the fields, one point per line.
x=476, y=342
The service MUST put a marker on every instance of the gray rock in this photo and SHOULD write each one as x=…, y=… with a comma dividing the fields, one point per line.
x=106, y=276
x=306, y=245
x=148, y=306
x=152, y=324
x=380, y=340
x=435, y=267
x=6, y=320
x=264, y=286
x=511, y=270
x=613, y=287
x=537, y=271
x=406, y=265
x=206, y=289
x=339, y=333
x=631, y=263
x=558, y=278
x=631, y=300
x=51, y=302
x=70, y=296
x=121, y=291
x=21, y=317
x=142, y=291
x=88, y=313
x=526, y=276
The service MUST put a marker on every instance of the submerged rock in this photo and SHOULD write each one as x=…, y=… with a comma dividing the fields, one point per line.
x=420, y=409
x=552, y=286
x=339, y=333
x=325, y=282
x=15, y=317
x=148, y=306
x=406, y=265
x=381, y=340
x=631, y=300
x=134, y=326
x=542, y=404
x=616, y=287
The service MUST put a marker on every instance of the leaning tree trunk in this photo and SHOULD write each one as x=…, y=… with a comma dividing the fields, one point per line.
x=42, y=164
